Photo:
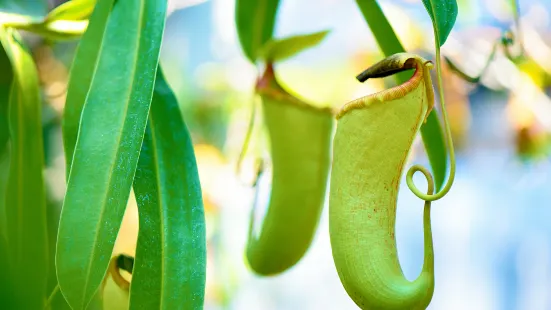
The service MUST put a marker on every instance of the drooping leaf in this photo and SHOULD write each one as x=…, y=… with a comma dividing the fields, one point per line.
x=431, y=131
x=112, y=125
x=280, y=49
x=170, y=267
x=26, y=218
x=443, y=14
x=255, y=20
x=72, y=10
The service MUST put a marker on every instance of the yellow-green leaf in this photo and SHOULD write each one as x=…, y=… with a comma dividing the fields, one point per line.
x=112, y=126
x=55, y=30
x=170, y=266
x=279, y=49
x=72, y=10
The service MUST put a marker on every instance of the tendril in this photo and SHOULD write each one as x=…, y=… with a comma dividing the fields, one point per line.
x=117, y=263
x=449, y=142
x=248, y=134
x=247, y=140
x=51, y=297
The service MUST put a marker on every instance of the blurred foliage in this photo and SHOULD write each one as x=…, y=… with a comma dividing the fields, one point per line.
x=36, y=8
x=208, y=117
x=5, y=84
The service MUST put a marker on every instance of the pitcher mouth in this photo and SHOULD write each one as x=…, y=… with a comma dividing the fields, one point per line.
x=396, y=92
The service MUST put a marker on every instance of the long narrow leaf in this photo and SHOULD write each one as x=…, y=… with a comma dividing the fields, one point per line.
x=82, y=73
x=72, y=10
x=110, y=135
x=169, y=271
x=5, y=85
x=255, y=20
x=389, y=43
x=281, y=49
x=26, y=217
x=7, y=284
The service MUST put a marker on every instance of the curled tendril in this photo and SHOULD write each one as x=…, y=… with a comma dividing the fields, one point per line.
x=117, y=263
x=449, y=142
x=395, y=64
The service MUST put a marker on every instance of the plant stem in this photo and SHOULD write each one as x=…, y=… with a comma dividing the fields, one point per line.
x=248, y=134
x=51, y=297
x=415, y=168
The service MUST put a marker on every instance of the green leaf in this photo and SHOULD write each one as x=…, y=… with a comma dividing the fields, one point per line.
x=58, y=30
x=443, y=14
x=170, y=267
x=255, y=20
x=5, y=85
x=7, y=285
x=112, y=126
x=431, y=131
x=72, y=10
x=26, y=217
x=55, y=30
x=280, y=49
x=83, y=70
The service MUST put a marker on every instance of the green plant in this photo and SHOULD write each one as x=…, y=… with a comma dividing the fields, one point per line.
x=108, y=149
x=300, y=146
x=300, y=138
x=373, y=139
x=123, y=129
x=111, y=128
